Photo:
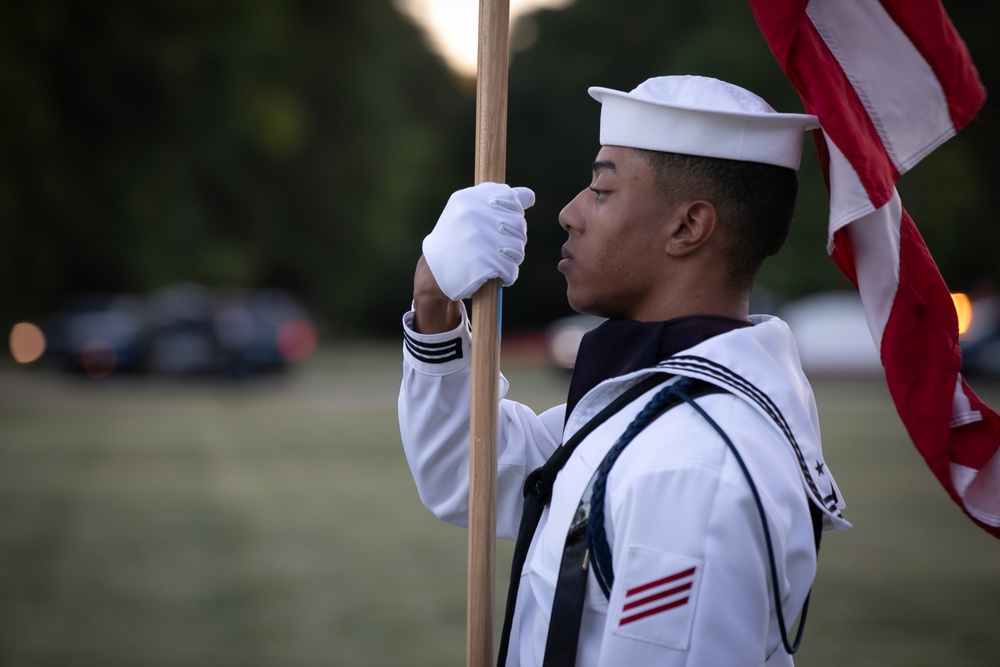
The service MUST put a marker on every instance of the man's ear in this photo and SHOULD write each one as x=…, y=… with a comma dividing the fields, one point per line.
x=692, y=225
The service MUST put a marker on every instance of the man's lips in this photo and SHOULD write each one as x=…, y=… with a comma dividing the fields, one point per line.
x=567, y=259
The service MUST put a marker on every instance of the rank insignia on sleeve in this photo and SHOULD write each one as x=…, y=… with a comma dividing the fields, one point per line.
x=656, y=598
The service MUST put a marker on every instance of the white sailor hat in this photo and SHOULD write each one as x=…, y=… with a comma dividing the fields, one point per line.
x=696, y=115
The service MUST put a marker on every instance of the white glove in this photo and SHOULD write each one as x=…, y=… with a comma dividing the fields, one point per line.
x=480, y=235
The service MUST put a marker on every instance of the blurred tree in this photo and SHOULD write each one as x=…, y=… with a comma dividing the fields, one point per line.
x=311, y=145
x=290, y=143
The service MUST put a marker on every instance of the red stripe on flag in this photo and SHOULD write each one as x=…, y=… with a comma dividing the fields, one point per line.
x=923, y=391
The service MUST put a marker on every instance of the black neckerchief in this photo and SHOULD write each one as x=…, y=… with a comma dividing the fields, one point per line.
x=617, y=347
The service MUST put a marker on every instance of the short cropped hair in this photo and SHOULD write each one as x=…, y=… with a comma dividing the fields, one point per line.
x=755, y=203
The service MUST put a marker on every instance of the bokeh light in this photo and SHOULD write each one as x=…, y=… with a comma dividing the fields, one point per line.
x=452, y=25
x=963, y=308
x=98, y=358
x=296, y=339
x=27, y=342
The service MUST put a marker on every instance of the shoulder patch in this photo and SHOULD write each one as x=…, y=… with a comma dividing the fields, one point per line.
x=655, y=597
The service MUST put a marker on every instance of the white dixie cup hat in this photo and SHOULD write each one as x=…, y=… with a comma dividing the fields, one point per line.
x=695, y=115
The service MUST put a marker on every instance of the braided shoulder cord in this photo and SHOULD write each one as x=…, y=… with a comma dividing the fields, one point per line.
x=684, y=390
x=597, y=540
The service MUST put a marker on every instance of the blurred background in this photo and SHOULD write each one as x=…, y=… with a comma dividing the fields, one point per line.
x=209, y=217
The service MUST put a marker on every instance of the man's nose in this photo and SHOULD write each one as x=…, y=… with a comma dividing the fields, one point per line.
x=569, y=217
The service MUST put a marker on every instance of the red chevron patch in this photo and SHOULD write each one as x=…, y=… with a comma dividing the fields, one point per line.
x=657, y=596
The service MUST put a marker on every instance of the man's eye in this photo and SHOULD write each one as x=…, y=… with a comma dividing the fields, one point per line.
x=598, y=193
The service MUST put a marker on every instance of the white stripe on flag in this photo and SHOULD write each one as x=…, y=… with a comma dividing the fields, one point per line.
x=980, y=489
x=848, y=199
x=961, y=407
x=889, y=75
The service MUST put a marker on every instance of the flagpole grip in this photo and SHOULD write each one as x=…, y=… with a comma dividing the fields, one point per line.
x=491, y=142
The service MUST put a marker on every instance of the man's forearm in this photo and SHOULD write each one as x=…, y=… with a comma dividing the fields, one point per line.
x=433, y=311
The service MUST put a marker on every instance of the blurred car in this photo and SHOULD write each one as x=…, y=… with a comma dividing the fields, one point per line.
x=180, y=338
x=262, y=331
x=95, y=333
x=562, y=338
x=184, y=329
x=192, y=330
x=981, y=341
x=832, y=334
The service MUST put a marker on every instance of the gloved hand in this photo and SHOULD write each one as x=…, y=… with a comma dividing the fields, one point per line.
x=480, y=235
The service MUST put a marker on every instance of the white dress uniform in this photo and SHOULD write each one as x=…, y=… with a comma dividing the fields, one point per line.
x=692, y=584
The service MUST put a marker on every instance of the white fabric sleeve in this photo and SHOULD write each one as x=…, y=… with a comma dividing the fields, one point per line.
x=692, y=581
x=433, y=411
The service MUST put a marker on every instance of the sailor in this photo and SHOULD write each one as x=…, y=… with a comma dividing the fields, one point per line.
x=709, y=514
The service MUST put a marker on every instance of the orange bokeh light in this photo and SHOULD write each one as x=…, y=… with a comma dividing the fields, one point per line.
x=963, y=308
x=27, y=342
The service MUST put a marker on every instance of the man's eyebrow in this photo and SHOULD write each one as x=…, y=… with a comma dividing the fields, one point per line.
x=605, y=165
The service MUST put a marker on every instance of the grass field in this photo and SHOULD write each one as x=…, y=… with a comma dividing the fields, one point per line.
x=275, y=523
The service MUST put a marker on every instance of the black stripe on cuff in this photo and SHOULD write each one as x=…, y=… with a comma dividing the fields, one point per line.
x=433, y=353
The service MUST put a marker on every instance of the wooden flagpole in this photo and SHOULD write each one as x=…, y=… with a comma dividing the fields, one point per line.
x=491, y=142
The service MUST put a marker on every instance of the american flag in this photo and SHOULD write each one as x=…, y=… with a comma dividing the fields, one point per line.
x=890, y=80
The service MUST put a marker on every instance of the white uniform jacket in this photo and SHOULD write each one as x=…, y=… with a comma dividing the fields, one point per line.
x=692, y=583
